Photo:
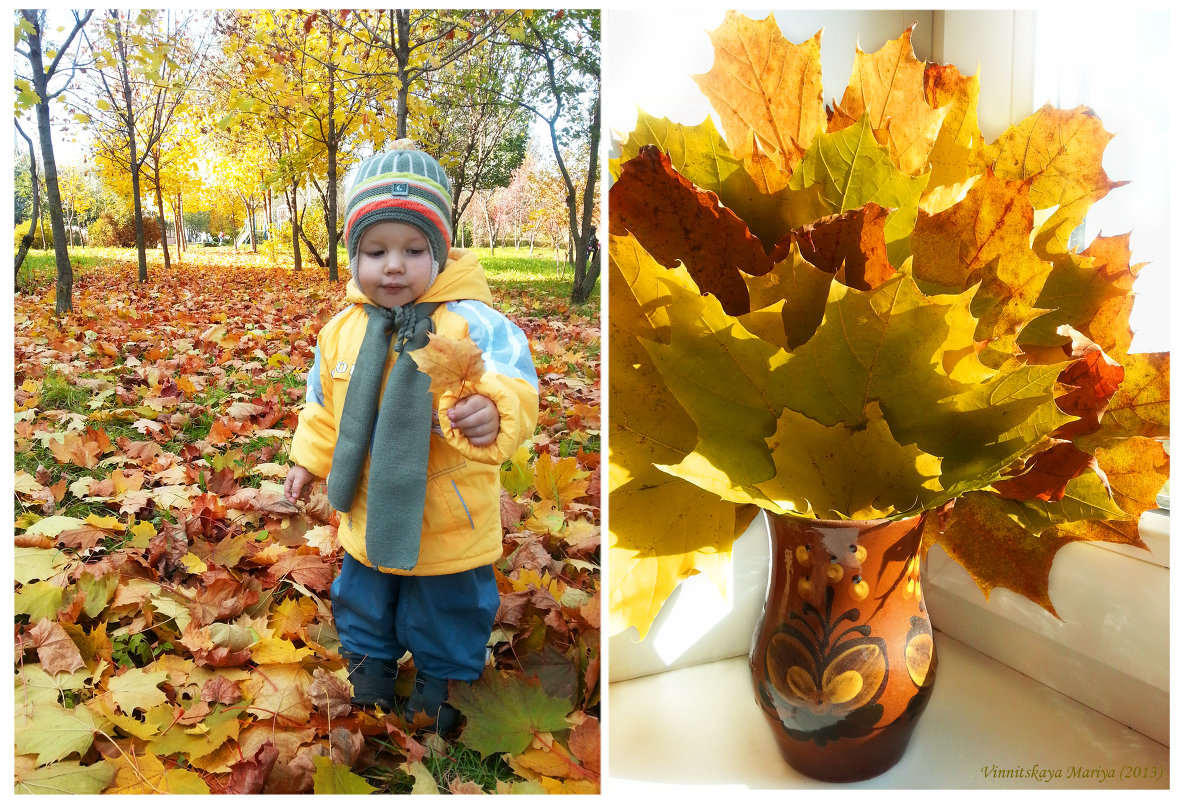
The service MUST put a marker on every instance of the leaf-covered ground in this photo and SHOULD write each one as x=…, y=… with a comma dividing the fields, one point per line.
x=173, y=631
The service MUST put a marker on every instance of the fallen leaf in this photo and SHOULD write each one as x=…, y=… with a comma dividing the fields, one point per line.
x=505, y=712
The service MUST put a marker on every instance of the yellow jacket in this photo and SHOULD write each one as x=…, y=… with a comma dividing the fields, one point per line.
x=461, y=520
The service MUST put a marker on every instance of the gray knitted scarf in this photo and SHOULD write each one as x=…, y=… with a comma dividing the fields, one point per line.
x=397, y=442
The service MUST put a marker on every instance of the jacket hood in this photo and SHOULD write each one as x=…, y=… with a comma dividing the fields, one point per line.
x=461, y=279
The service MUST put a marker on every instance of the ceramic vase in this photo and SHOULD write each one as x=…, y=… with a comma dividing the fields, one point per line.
x=843, y=661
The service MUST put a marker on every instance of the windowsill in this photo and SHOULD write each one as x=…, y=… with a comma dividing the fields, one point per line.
x=1109, y=650
x=698, y=730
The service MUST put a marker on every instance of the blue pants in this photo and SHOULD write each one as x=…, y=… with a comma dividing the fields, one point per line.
x=444, y=621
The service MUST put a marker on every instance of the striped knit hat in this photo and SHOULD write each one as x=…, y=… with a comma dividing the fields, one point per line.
x=402, y=184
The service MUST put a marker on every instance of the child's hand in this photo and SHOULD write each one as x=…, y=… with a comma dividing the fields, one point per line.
x=477, y=418
x=298, y=481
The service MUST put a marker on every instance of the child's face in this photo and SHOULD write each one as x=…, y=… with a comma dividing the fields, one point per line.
x=393, y=263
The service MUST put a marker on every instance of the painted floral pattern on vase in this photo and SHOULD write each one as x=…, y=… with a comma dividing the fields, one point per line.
x=826, y=681
x=844, y=660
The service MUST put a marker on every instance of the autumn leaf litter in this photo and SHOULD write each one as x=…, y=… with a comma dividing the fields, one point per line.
x=173, y=631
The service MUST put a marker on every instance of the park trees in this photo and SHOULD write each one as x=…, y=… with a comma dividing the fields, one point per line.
x=143, y=69
x=455, y=93
x=306, y=74
x=565, y=45
x=423, y=43
x=77, y=200
x=474, y=124
x=22, y=182
x=34, y=92
x=34, y=207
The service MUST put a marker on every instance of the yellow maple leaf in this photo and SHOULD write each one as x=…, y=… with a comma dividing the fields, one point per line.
x=185, y=385
x=281, y=689
x=193, y=564
x=547, y=757
x=275, y=651
x=527, y=578
x=142, y=531
x=292, y=614
x=145, y=773
x=887, y=87
x=559, y=480
x=546, y=518
x=762, y=82
x=454, y=365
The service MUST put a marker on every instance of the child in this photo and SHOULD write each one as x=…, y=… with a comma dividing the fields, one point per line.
x=420, y=510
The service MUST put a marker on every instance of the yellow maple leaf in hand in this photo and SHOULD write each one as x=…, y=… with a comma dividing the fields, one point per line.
x=454, y=365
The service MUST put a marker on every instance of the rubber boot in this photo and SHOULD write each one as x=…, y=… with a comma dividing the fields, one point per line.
x=429, y=697
x=373, y=681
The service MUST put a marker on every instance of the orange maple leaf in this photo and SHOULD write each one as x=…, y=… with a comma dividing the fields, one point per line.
x=82, y=450
x=454, y=365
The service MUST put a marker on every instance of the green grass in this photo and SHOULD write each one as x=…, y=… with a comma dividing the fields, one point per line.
x=58, y=393
x=466, y=765
x=514, y=269
x=510, y=269
x=456, y=762
x=40, y=266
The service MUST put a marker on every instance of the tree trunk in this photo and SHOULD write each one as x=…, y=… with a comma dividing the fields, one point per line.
x=65, y=275
x=293, y=207
x=160, y=210
x=181, y=239
x=488, y=225
x=44, y=238
x=250, y=226
x=233, y=229
x=333, y=239
x=400, y=23
x=587, y=274
x=27, y=239
x=129, y=120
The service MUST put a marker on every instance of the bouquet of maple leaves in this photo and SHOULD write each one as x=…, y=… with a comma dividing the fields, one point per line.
x=867, y=312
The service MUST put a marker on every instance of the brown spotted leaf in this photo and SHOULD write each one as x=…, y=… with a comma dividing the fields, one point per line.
x=676, y=222
x=1010, y=556
x=1061, y=151
x=1140, y=407
x=1136, y=469
x=851, y=246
